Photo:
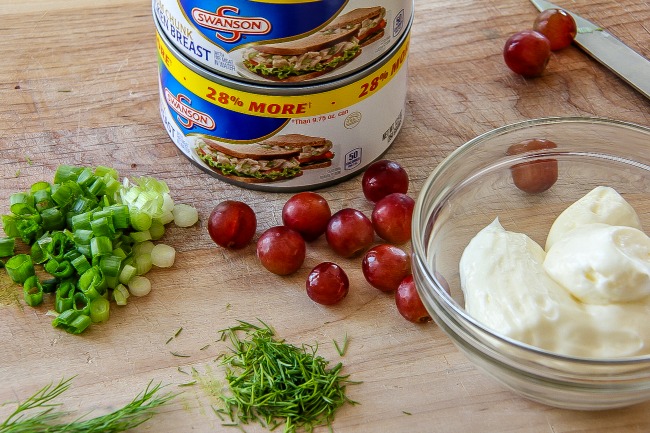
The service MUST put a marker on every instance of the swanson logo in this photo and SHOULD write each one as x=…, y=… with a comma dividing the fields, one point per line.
x=231, y=24
x=188, y=116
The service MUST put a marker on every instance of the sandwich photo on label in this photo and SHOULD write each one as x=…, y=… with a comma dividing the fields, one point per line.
x=303, y=59
x=369, y=23
x=249, y=163
x=315, y=152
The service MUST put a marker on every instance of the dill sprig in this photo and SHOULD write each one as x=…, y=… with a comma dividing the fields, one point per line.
x=47, y=415
x=272, y=382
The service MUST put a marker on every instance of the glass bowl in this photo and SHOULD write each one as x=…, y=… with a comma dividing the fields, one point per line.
x=472, y=187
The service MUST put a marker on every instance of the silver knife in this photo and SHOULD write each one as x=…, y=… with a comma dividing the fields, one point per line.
x=632, y=67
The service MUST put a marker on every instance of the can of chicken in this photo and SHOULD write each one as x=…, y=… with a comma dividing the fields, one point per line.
x=282, y=139
x=283, y=42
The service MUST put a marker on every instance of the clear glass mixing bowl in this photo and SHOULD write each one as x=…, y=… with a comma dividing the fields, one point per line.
x=474, y=185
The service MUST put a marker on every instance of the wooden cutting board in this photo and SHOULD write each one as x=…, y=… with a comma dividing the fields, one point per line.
x=78, y=85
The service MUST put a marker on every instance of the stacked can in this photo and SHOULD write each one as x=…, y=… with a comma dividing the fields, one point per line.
x=282, y=95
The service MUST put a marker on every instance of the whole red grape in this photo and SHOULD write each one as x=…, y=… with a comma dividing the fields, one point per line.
x=281, y=250
x=558, y=26
x=349, y=232
x=527, y=53
x=327, y=283
x=307, y=213
x=534, y=176
x=384, y=177
x=385, y=266
x=409, y=304
x=391, y=217
x=232, y=224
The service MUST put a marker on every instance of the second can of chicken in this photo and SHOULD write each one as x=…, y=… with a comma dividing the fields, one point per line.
x=283, y=42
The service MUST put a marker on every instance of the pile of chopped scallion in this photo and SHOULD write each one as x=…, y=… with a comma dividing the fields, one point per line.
x=92, y=235
x=272, y=382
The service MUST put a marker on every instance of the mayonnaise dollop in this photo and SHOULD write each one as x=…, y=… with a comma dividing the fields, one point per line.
x=588, y=295
x=600, y=205
x=600, y=264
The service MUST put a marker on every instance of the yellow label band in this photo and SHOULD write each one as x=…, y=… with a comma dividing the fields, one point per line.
x=282, y=106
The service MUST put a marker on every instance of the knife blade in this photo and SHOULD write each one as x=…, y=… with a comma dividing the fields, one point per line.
x=629, y=65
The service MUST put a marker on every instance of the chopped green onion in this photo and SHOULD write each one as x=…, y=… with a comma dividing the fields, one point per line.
x=102, y=226
x=141, y=236
x=64, y=297
x=101, y=246
x=21, y=203
x=139, y=286
x=99, y=310
x=92, y=283
x=20, y=267
x=185, y=215
x=127, y=273
x=7, y=247
x=81, y=303
x=92, y=233
x=53, y=219
x=63, y=269
x=82, y=221
x=163, y=256
x=72, y=321
x=110, y=265
x=81, y=264
x=50, y=285
x=143, y=248
x=157, y=229
x=43, y=200
x=166, y=217
x=33, y=291
x=66, y=172
x=120, y=294
x=143, y=264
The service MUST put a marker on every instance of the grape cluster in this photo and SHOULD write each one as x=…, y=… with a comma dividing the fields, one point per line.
x=306, y=216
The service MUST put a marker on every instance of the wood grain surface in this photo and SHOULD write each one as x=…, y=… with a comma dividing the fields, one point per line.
x=78, y=85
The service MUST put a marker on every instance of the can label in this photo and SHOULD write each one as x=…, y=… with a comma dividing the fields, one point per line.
x=281, y=141
x=280, y=42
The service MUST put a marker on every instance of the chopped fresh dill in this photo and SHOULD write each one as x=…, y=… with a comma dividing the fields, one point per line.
x=180, y=370
x=178, y=332
x=180, y=355
x=342, y=349
x=275, y=383
x=205, y=347
x=187, y=383
x=170, y=339
x=406, y=413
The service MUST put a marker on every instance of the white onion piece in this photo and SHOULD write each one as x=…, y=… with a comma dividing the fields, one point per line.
x=143, y=248
x=139, y=286
x=185, y=215
x=163, y=256
x=120, y=294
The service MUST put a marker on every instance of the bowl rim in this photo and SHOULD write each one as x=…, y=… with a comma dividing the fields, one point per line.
x=440, y=293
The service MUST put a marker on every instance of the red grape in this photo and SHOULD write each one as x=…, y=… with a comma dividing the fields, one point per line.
x=382, y=178
x=281, y=250
x=527, y=53
x=535, y=176
x=409, y=304
x=349, y=232
x=307, y=213
x=391, y=217
x=327, y=283
x=558, y=26
x=385, y=266
x=232, y=224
